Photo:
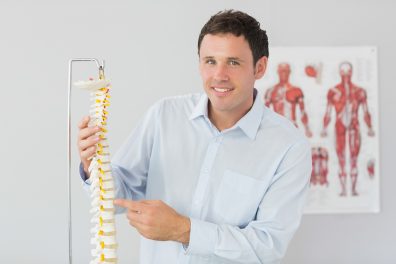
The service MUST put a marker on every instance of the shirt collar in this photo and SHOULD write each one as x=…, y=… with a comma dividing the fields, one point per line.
x=201, y=109
x=249, y=123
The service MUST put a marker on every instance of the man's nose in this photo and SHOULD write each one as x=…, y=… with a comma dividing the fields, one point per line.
x=221, y=72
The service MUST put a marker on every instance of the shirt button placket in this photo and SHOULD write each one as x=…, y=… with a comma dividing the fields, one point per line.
x=204, y=176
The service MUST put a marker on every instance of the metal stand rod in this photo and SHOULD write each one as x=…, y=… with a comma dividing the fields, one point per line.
x=100, y=66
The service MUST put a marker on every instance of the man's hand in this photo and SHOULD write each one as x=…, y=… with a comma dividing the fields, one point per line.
x=156, y=220
x=86, y=142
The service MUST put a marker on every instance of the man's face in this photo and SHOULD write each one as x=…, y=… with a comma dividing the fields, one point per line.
x=228, y=74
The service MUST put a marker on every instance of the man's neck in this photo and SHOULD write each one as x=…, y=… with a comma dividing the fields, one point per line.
x=224, y=119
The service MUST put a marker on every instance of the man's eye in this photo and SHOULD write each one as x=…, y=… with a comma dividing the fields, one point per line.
x=210, y=61
x=234, y=62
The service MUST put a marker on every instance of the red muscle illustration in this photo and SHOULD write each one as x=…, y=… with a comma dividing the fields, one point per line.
x=320, y=158
x=370, y=168
x=346, y=98
x=284, y=98
x=314, y=71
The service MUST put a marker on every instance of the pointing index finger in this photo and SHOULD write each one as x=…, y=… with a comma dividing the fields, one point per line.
x=129, y=204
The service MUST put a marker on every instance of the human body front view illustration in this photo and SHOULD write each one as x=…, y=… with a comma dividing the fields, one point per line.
x=214, y=177
x=285, y=98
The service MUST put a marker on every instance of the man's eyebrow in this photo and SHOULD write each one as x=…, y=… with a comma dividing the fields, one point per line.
x=234, y=58
x=228, y=58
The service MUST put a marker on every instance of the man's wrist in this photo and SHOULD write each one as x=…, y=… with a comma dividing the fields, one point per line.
x=86, y=169
x=184, y=230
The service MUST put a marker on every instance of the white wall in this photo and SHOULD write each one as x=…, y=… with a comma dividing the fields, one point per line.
x=150, y=50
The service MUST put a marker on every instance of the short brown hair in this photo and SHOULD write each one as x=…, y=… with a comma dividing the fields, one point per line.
x=238, y=23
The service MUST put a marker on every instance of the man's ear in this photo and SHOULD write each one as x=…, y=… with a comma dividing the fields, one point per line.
x=261, y=66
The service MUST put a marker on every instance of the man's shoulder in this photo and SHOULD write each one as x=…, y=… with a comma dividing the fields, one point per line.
x=181, y=99
x=179, y=104
x=279, y=128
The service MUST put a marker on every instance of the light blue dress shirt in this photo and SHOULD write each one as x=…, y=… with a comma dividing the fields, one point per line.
x=243, y=188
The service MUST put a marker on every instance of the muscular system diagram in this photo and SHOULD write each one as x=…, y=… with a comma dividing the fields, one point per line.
x=331, y=95
x=346, y=98
x=102, y=185
x=320, y=157
x=285, y=98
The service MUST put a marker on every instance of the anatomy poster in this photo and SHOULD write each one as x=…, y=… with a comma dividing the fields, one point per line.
x=331, y=94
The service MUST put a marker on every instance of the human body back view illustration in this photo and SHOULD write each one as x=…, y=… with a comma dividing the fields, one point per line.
x=214, y=177
x=346, y=98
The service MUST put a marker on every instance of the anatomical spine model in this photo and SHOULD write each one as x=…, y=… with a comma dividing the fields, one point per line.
x=102, y=185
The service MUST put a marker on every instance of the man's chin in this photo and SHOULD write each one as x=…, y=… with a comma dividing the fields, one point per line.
x=221, y=107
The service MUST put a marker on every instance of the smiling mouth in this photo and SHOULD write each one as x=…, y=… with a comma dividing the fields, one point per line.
x=222, y=90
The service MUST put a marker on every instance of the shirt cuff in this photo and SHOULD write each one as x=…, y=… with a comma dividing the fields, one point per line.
x=84, y=176
x=203, y=238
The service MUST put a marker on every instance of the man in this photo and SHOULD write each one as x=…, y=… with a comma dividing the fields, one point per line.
x=284, y=98
x=346, y=98
x=213, y=177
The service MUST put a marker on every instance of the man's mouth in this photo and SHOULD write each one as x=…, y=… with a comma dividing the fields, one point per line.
x=222, y=90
